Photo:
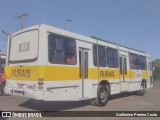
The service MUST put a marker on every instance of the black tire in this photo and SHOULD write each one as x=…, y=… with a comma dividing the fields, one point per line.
x=102, y=95
x=142, y=89
x=2, y=93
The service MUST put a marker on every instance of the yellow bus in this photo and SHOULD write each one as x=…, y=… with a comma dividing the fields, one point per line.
x=51, y=64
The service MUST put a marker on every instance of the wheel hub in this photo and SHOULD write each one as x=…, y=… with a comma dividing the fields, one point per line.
x=103, y=96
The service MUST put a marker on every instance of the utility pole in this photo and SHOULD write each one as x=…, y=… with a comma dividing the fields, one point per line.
x=8, y=46
x=21, y=17
x=69, y=21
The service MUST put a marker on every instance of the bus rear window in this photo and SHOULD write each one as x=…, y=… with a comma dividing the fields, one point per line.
x=24, y=47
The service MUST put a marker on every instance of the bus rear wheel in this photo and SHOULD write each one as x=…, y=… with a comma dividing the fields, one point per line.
x=2, y=93
x=102, y=96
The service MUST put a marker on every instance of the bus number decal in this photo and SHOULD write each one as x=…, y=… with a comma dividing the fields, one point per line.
x=23, y=47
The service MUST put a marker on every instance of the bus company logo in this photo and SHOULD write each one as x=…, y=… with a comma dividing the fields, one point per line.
x=138, y=74
x=107, y=74
x=21, y=73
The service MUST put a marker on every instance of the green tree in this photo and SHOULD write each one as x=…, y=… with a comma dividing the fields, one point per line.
x=156, y=72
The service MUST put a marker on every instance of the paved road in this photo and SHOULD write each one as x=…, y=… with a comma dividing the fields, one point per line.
x=124, y=102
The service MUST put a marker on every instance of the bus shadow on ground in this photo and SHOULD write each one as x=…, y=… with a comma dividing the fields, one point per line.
x=123, y=95
x=54, y=105
x=66, y=105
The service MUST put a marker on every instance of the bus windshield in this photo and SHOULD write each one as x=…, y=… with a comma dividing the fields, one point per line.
x=24, y=47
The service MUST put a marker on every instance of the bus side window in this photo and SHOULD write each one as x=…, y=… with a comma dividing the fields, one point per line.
x=134, y=61
x=112, y=58
x=62, y=50
x=101, y=56
x=142, y=62
x=56, y=54
x=70, y=52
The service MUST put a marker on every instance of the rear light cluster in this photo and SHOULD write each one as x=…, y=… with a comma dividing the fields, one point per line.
x=40, y=83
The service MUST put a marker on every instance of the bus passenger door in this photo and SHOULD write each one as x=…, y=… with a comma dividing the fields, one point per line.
x=83, y=73
x=124, y=81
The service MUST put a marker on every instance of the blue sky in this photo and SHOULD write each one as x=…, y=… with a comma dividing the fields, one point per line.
x=133, y=23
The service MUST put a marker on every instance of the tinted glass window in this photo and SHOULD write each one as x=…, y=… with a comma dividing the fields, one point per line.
x=134, y=61
x=101, y=56
x=62, y=50
x=95, y=55
x=142, y=62
x=112, y=58
x=86, y=65
x=125, y=65
x=121, y=69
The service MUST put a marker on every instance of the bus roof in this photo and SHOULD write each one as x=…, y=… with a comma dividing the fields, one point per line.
x=78, y=36
x=117, y=44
